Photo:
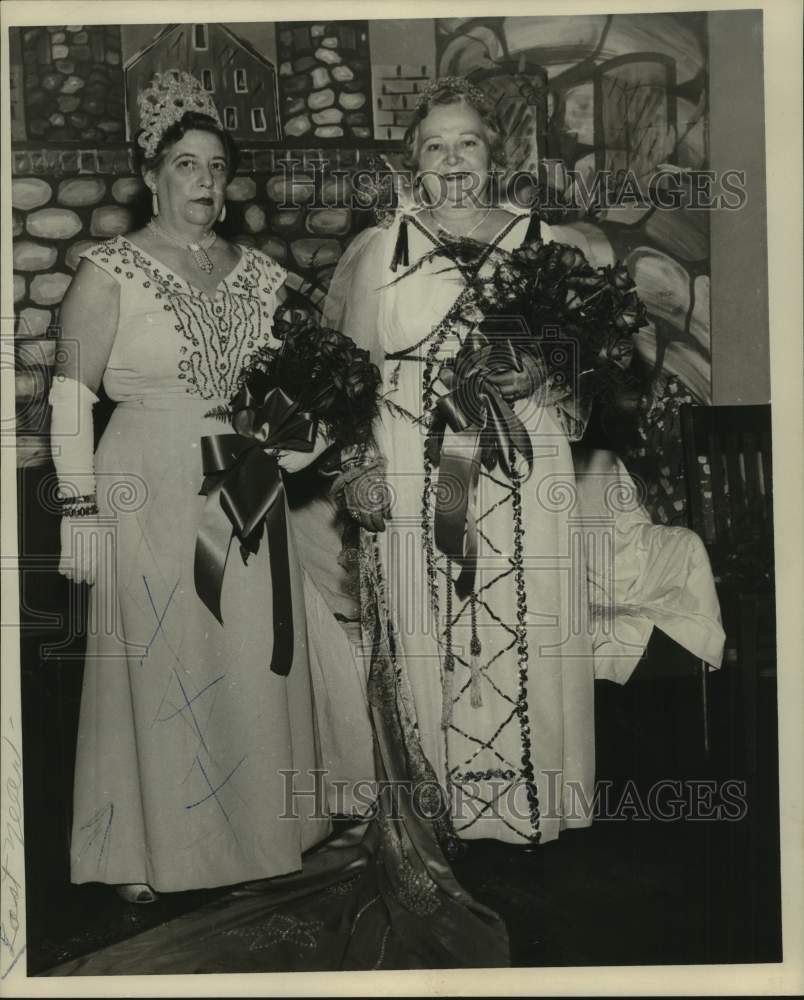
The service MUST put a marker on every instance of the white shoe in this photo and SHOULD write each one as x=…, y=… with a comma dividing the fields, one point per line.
x=136, y=893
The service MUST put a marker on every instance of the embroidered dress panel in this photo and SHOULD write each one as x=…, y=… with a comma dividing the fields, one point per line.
x=213, y=336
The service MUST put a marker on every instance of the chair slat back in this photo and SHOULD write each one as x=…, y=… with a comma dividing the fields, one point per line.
x=727, y=451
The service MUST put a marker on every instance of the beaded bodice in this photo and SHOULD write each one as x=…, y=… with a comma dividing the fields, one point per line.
x=175, y=338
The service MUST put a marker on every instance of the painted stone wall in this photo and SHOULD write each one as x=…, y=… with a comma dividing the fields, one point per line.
x=62, y=202
x=74, y=179
x=73, y=83
x=325, y=79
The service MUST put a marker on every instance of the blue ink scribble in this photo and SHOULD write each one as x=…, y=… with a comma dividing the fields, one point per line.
x=188, y=704
x=159, y=617
x=213, y=792
x=96, y=825
x=195, y=697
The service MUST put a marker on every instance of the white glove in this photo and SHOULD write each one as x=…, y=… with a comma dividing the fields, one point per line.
x=80, y=543
x=72, y=447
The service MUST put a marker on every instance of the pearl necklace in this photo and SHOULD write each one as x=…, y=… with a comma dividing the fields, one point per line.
x=461, y=236
x=198, y=251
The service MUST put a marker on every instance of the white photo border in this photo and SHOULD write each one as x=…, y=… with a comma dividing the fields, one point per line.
x=783, y=121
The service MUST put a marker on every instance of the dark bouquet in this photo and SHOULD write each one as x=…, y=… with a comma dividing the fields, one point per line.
x=576, y=320
x=316, y=376
x=325, y=374
x=557, y=291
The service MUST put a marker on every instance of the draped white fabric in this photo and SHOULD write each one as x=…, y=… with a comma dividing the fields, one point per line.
x=641, y=574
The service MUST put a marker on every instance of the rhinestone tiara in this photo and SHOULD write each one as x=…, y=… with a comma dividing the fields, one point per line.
x=171, y=95
x=457, y=85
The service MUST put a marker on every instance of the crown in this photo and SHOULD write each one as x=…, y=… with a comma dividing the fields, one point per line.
x=170, y=96
x=459, y=86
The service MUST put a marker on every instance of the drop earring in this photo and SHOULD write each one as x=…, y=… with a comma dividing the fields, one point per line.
x=154, y=203
x=222, y=216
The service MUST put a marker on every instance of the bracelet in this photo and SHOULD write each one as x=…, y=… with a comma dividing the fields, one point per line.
x=350, y=475
x=355, y=472
x=357, y=460
x=79, y=510
x=87, y=498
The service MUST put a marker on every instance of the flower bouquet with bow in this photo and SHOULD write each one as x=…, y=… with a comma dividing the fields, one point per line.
x=315, y=382
x=541, y=317
x=580, y=319
x=574, y=320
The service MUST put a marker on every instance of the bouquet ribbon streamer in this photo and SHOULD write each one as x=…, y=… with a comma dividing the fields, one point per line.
x=472, y=423
x=246, y=498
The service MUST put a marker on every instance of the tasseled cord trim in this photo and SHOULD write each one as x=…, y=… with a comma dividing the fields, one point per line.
x=448, y=680
x=475, y=649
x=401, y=254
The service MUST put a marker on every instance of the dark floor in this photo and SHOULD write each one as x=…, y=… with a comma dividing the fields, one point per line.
x=630, y=894
x=629, y=890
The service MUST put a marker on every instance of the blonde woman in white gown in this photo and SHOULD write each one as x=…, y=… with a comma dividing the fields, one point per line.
x=509, y=731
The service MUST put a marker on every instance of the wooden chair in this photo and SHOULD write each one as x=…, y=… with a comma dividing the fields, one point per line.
x=664, y=661
x=727, y=451
x=730, y=503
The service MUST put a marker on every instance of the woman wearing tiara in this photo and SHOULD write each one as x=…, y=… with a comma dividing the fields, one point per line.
x=501, y=676
x=183, y=730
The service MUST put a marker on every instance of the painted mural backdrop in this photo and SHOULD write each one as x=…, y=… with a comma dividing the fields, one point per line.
x=580, y=96
x=623, y=94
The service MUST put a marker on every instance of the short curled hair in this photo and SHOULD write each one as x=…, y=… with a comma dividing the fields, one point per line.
x=455, y=90
x=190, y=121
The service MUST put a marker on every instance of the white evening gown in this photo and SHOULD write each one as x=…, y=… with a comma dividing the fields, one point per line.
x=520, y=766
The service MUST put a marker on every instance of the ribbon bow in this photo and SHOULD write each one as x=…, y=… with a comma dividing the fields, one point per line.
x=472, y=423
x=244, y=490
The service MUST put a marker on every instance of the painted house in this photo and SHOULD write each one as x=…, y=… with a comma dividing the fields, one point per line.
x=241, y=81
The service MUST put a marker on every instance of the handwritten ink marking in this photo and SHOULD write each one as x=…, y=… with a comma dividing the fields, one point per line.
x=159, y=617
x=17, y=957
x=213, y=792
x=96, y=825
x=107, y=832
x=12, y=858
x=188, y=704
x=195, y=697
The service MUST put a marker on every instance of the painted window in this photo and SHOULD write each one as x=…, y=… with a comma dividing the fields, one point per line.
x=200, y=36
x=230, y=118
x=207, y=80
x=258, y=122
x=240, y=84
